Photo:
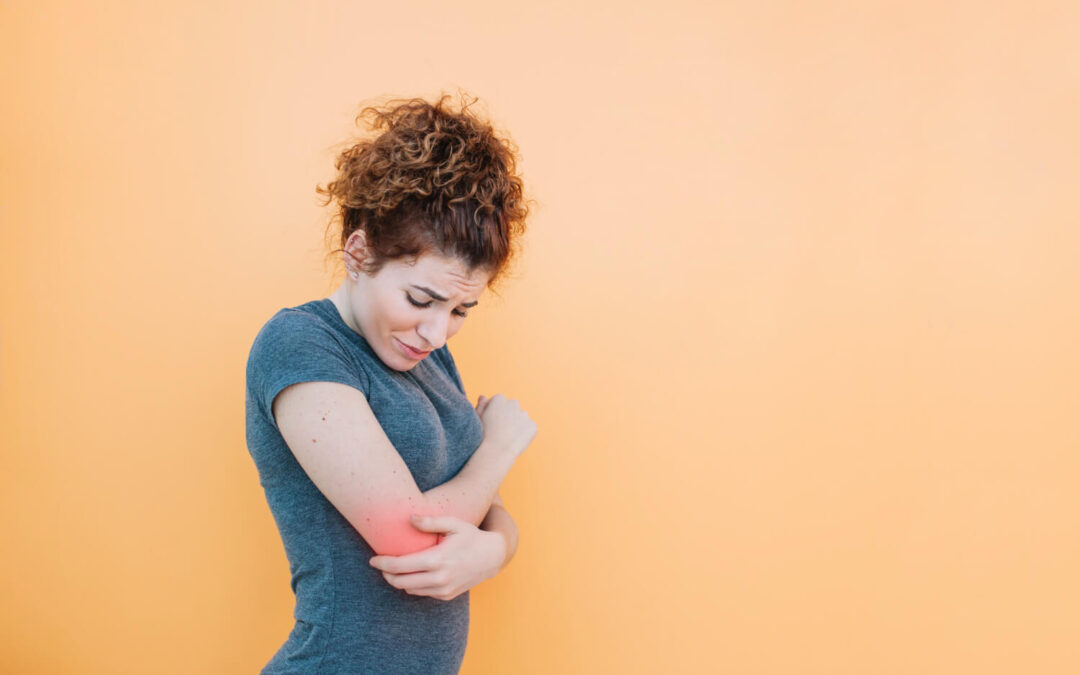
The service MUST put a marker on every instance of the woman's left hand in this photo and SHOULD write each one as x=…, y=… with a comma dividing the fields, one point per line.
x=464, y=556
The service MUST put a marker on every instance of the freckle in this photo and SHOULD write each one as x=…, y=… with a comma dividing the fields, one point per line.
x=313, y=440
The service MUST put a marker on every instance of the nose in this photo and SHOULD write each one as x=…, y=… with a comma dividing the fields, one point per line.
x=434, y=330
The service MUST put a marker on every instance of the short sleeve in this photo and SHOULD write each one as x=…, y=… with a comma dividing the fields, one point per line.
x=293, y=347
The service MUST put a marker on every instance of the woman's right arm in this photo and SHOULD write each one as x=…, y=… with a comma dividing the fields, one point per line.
x=336, y=438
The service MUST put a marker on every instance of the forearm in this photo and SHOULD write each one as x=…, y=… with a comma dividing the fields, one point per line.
x=499, y=520
x=469, y=494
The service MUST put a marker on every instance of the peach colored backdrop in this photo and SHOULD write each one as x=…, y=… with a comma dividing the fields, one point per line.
x=798, y=318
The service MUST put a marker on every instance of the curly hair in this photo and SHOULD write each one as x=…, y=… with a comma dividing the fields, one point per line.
x=433, y=180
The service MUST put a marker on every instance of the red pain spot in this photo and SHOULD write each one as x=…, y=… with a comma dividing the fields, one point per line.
x=324, y=419
x=313, y=440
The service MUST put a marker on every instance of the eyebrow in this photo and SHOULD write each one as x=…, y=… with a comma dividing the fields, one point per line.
x=440, y=298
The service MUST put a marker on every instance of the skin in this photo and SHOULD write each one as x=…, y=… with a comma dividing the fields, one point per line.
x=378, y=308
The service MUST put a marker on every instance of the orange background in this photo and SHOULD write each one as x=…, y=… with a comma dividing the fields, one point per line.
x=797, y=316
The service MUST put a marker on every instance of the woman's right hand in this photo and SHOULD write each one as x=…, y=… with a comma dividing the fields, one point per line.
x=505, y=423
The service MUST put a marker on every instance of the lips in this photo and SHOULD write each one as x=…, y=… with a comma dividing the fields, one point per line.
x=414, y=352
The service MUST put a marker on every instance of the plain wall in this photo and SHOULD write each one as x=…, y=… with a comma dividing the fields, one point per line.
x=797, y=317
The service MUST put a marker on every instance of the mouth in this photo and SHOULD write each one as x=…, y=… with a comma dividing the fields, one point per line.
x=414, y=353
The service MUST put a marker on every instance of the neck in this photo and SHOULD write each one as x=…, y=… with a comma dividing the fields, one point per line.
x=342, y=299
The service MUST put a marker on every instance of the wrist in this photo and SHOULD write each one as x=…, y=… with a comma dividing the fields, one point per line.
x=490, y=464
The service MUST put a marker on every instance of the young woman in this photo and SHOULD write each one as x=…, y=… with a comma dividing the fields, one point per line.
x=380, y=474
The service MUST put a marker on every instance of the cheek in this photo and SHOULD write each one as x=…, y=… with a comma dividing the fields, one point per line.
x=397, y=318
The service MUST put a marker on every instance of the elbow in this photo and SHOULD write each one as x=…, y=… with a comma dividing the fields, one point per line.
x=392, y=533
x=403, y=542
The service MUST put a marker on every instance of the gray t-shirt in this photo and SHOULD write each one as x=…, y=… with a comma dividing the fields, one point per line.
x=348, y=618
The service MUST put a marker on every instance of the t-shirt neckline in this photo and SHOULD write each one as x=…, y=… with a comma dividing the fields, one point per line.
x=331, y=309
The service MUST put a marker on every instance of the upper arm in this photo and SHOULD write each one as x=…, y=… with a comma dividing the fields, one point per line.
x=336, y=438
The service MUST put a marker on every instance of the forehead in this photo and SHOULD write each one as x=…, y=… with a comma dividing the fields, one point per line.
x=447, y=275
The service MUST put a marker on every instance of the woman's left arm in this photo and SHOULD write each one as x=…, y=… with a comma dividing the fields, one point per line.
x=498, y=519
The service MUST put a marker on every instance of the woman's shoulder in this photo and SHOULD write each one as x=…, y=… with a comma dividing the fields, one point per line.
x=318, y=317
x=293, y=321
x=294, y=332
x=298, y=344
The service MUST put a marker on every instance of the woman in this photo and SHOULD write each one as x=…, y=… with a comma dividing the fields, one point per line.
x=382, y=477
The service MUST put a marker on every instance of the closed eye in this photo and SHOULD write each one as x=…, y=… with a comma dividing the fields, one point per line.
x=428, y=304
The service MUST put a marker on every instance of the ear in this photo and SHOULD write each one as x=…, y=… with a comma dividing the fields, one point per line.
x=356, y=253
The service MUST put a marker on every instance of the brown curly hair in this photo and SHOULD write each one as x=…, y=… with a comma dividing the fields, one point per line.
x=434, y=180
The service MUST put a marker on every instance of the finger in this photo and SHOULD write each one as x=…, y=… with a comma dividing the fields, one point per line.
x=437, y=592
x=418, y=581
x=420, y=561
x=448, y=524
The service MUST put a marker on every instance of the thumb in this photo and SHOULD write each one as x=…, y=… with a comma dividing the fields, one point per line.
x=435, y=523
